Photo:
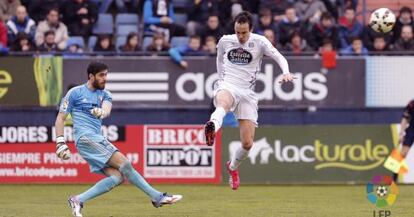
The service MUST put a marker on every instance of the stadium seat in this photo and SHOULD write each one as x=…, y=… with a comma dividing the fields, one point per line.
x=120, y=40
x=179, y=41
x=124, y=18
x=123, y=30
x=91, y=42
x=147, y=41
x=76, y=40
x=180, y=3
x=104, y=25
x=181, y=19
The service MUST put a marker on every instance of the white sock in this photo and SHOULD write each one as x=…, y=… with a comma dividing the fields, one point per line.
x=217, y=117
x=240, y=155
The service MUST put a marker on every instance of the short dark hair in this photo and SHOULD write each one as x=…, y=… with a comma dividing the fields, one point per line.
x=197, y=37
x=95, y=67
x=50, y=32
x=244, y=17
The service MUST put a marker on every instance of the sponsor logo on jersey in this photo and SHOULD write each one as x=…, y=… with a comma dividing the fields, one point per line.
x=239, y=56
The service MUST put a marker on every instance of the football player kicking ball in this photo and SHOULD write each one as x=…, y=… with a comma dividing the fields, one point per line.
x=239, y=57
x=89, y=104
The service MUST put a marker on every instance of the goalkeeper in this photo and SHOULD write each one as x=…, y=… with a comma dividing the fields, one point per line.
x=89, y=104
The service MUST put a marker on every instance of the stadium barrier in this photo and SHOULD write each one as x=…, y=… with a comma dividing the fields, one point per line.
x=162, y=153
x=334, y=154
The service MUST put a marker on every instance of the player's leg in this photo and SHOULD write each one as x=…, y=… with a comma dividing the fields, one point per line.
x=247, y=130
x=224, y=100
x=114, y=178
x=120, y=162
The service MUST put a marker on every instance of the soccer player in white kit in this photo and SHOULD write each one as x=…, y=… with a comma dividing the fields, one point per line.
x=239, y=58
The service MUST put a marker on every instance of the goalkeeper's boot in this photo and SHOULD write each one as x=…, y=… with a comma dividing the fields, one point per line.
x=234, y=180
x=76, y=206
x=210, y=132
x=166, y=199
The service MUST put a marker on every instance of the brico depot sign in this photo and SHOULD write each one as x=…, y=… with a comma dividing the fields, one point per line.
x=141, y=82
x=179, y=154
x=169, y=153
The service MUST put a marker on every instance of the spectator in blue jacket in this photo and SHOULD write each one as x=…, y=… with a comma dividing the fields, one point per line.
x=356, y=48
x=21, y=22
x=349, y=27
x=159, y=16
x=193, y=48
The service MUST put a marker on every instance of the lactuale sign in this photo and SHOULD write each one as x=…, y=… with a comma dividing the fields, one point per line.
x=304, y=154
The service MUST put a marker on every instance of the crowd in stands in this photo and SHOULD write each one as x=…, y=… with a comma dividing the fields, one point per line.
x=191, y=27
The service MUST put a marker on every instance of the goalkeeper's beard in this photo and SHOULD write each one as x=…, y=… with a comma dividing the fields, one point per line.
x=98, y=86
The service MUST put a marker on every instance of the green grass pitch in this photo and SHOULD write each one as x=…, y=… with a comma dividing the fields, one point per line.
x=204, y=200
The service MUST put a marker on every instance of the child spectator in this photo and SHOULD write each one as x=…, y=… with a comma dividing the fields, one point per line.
x=356, y=48
x=158, y=44
x=131, y=44
x=193, y=48
x=22, y=43
x=104, y=44
x=49, y=44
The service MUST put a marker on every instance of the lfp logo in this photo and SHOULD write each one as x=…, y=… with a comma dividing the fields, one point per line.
x=382, y=192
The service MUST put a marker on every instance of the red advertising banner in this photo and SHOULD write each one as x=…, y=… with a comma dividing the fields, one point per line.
x=163, y=154
x=178, y=154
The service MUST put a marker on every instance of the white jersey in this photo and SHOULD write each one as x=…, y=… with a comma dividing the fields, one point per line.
x=239, y=64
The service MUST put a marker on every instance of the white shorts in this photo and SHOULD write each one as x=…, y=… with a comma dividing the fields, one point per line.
x=245, y=101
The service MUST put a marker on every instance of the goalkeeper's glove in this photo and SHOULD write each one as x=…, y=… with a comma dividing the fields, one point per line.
x=62, y=150
x=98, y=113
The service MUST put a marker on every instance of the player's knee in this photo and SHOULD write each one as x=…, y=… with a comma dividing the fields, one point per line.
x=247, y=145
x=117, y=179
x=126, y=168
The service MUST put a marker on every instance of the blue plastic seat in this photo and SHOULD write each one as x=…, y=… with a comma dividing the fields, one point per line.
x=104, y=25
x=124, y=18
x=123, y=30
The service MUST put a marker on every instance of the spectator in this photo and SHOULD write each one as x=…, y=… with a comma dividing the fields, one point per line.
x=356, y=48
x=265, y=21
x=20, y=23
x=80, y=16
x=22, y=43
x=102, y=5
x=198, y=12
x=122, y=7
x=405, y=17
x=406, y=41
x=74, y=48
x=326, y=47
x=277, y=8
x=8, y=9
x=212, y=28
x=193, y=48
x=289, y=25
x=324, y=29
x=297, y=45
x=228, y=11
x=131, y=44
x=3, y=38
x=52, y=23
x=49, y=45
x=310, y=10
x=104, y=44
x=349, y=28
x=210, y=45
x=270, y=35
x=39, y=9
x=380, y=45
x=159, y=16
x=159, y=44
